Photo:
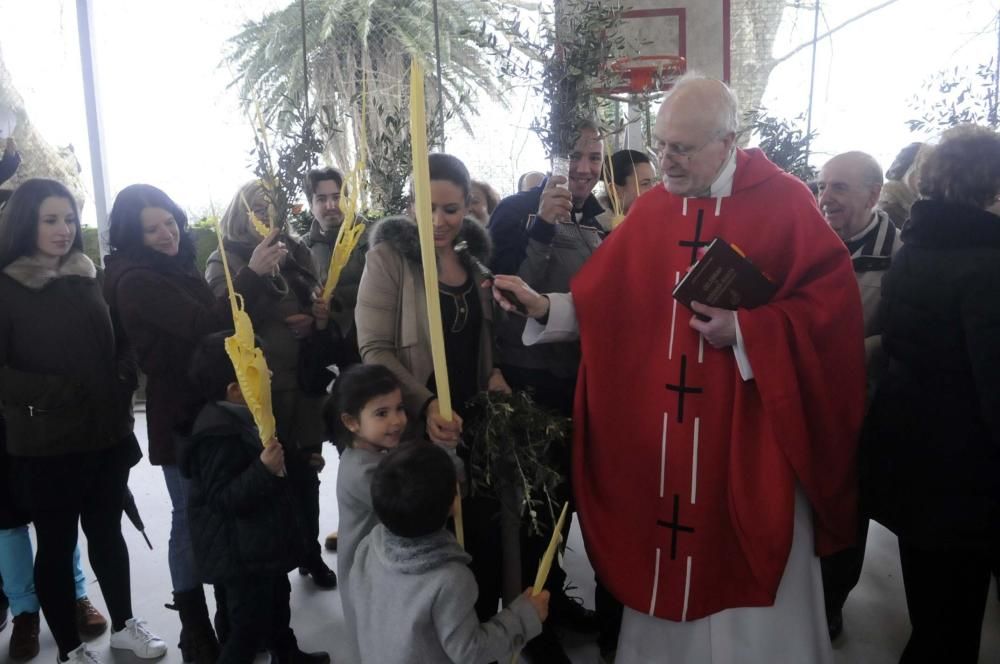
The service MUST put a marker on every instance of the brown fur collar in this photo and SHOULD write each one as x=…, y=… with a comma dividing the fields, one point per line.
x=30, y=272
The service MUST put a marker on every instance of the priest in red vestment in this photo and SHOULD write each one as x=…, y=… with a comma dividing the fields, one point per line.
x=714, y=459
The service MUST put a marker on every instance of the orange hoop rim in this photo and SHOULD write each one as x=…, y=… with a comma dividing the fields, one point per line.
x=643, y=62
x=643, y=73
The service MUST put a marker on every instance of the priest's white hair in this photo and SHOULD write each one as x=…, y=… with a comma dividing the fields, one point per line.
x=729, y=105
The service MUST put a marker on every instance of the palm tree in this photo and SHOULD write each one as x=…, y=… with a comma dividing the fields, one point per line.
x=358, y=57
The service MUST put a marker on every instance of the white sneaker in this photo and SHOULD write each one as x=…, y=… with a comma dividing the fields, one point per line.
x=80, y=656
x=137, y=638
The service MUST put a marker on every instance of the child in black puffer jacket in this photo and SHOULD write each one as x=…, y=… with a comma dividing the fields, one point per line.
x=244, y=523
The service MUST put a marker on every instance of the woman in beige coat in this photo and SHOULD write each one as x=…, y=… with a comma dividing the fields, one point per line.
x=391, y=318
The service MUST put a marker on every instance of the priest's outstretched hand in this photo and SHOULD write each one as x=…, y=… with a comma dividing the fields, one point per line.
x=535, y=304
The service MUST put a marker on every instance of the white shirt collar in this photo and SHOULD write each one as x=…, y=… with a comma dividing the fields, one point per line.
x=723, y=185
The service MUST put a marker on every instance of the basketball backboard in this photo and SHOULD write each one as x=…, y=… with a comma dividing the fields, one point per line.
x=697, y=30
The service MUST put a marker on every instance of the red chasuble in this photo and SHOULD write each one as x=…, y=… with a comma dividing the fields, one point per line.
x=684, y=473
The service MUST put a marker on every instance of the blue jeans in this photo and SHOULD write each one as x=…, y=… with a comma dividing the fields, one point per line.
x=180, y=555
x=17, y=567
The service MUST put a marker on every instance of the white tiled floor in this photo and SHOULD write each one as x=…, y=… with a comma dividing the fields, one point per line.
x=875, y=615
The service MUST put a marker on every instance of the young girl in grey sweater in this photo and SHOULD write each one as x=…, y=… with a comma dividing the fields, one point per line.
x=365, y=418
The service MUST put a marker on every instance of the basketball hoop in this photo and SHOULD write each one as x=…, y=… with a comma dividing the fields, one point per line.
x=643, y=74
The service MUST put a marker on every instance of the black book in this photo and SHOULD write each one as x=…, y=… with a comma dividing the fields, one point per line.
x=724, y=278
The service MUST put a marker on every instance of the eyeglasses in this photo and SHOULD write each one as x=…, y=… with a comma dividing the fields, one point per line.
x=678, y=151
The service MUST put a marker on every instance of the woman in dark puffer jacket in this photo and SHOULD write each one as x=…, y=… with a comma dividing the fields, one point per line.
x=931, y=448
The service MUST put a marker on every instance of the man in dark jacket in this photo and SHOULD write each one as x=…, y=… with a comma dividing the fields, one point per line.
x=243, y=517
x=545, y=235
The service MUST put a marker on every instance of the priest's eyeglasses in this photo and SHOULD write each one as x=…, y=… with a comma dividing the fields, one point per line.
x=678, y=150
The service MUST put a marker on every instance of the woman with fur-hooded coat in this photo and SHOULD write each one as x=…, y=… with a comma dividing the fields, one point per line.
x=391, y=318
x=393, y=313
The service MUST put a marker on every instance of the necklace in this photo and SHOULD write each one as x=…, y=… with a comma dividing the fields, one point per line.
x=460, y=297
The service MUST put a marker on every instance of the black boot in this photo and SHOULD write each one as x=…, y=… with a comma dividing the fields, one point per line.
x=569, y=613
x=324, y=577
x=295, y=656
x=198, y=643
x=546, y=649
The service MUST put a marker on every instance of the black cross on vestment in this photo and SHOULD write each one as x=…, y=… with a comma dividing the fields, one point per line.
x=697, y=243
x=675, y=527
x=683, y=389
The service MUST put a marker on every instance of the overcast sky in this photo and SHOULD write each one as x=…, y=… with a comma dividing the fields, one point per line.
x=170, y=120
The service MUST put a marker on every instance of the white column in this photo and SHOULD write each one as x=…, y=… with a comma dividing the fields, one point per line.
x=634, y=137
x=95, y=136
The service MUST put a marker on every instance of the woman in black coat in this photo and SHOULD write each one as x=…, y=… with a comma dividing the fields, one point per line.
x=162, y=307
x=931, y=449
x=66, y=389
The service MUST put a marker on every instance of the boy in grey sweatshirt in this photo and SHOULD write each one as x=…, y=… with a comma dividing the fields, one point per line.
x=414, y=596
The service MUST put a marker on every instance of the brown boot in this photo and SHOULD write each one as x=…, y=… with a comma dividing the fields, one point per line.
x=331, y=542
x=24, y=637
x=89, y=621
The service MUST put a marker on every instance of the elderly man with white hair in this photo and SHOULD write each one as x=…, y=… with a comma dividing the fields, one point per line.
x=714, y=454
x=849, y=187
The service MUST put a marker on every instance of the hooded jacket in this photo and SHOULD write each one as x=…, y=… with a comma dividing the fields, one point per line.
x=163, y=308
x=392, y=310
x=416, y=604
x=243, y=518
x=64, y=384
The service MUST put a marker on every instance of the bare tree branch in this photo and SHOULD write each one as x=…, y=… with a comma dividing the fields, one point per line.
x=832, y=30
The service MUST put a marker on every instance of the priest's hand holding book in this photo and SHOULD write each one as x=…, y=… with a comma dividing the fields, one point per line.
x=718, y=326
x=723, y=276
